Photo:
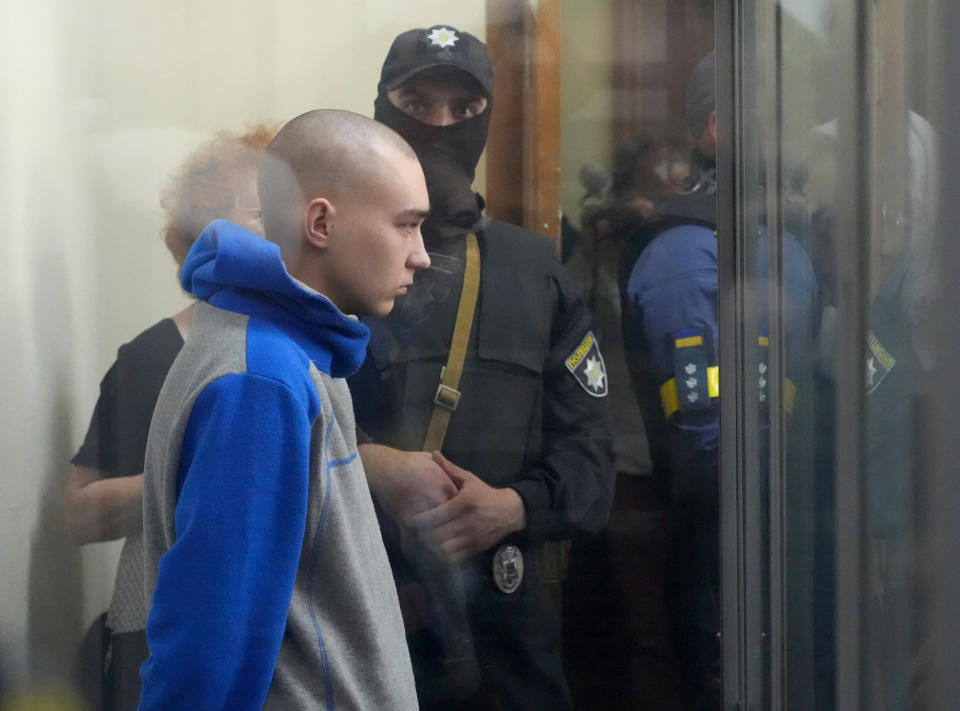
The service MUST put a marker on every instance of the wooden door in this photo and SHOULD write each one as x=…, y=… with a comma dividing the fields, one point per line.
x=657, y=43
x=523, y=152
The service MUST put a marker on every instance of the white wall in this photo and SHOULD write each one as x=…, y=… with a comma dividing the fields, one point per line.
x=587, y=95
x=101, y=100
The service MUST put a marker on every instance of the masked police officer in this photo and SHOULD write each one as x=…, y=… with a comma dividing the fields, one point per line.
x=490, y=358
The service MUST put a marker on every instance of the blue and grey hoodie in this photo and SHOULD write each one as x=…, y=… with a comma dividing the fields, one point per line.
x=269, y=583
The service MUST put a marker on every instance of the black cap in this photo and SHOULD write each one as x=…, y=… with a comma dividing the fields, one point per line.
x=440, y=45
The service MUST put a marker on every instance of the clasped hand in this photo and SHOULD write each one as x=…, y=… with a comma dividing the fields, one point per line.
x=449, y=509
x=472, y=520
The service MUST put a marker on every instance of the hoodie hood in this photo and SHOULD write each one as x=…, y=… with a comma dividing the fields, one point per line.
x=236, y=270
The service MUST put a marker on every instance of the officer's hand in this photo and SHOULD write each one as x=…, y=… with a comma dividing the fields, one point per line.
x=472, y=521
x=405, y=483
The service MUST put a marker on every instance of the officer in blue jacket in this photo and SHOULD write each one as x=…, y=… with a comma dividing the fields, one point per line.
x=668, y=280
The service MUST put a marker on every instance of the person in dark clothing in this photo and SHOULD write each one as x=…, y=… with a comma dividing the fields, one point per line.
x=900, y=359
x=618, y=646
x=683, y=445
x=527, y=458
x=668, y=279
x=103, y=490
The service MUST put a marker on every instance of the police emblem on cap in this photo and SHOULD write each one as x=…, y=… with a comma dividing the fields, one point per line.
x=508, y=568
x=586, y=365
x=442, y=37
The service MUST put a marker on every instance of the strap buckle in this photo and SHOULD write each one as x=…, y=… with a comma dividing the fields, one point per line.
x=446, y=397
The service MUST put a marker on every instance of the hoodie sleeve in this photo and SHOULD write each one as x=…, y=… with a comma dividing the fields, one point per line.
x=224, y=588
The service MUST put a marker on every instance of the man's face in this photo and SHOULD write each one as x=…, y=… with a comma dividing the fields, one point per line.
x=441, y=96
x=376, y=245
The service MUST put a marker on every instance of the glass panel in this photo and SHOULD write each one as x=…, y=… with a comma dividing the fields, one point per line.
x=111, y=168
x=791, y=124
x=644, y=634
x=784, y=250
x=806, y=508
x=900, y=351
x=847, y=171
x=936, y=684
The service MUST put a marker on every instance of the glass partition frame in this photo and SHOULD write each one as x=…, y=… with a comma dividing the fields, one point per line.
x=737, y=157
x=754, y=532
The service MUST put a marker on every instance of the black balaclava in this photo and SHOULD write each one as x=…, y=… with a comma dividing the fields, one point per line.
x=448, y=154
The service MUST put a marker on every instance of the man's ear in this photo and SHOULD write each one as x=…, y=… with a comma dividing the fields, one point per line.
x=318, y=222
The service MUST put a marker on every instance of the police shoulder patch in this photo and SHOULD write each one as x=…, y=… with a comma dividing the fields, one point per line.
x=879, y=362
x=587, y=366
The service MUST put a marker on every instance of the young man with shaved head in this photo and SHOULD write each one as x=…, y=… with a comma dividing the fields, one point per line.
x=269, y=582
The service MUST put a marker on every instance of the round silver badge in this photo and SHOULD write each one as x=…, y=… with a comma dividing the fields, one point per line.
x=508, y=568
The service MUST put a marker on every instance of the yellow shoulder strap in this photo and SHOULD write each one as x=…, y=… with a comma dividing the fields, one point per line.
x=448, y=397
